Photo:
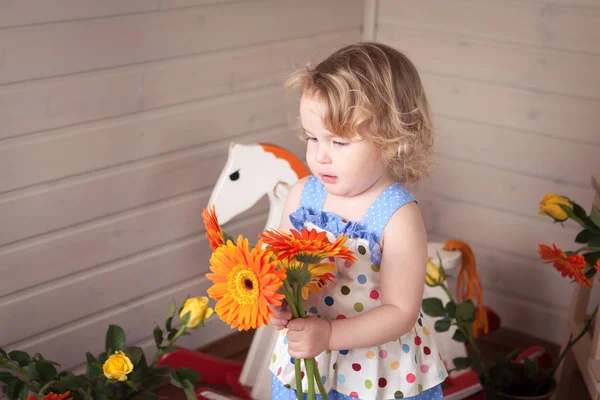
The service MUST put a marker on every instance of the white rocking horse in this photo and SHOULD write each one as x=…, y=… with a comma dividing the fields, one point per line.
x=255, y=170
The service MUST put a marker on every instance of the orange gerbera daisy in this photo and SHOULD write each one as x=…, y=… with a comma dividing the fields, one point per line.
x=214, y=233
x=571, y=266
x=310, y=243
x=53, y=396
x=246, y=282
x=311, y=278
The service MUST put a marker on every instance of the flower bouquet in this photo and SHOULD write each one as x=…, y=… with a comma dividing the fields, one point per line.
x=249, y=281
x=120, y=372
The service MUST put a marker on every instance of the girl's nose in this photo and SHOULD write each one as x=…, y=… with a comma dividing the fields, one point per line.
x=322, y=154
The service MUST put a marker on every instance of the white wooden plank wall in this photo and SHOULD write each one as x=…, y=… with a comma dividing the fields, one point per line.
x=515, y=89
x=115, y=119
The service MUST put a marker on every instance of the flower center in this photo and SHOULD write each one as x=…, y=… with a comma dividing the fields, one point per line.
x=243, y=285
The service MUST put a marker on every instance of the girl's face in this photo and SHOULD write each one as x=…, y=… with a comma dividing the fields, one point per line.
x=346, y=167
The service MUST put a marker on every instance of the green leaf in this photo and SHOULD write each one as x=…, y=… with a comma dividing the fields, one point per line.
x=172, y=334
x=102, y=392
x=20, y=357
x=465, y=311
x=32, y=373
x=171, y=309
x=135, y=354
x=451, y=309
x=442, y=325
x=462, y=362
x=3, y=353
x=46, y=370
x=102, y=358
x=433, y=307
x=188, y=389
x=115, y=338
x=530, y=368
x=6, y=377
x=93, y=366
x=592, y=258
x=168, y=323
x=594, y=241
x=175, y=381
x=85, y=393
x=158, y=336
x=186, y=318
x=188, y=374
x=579, y=212
x=24, y=391
x=583, y=236
x=595, y=216
x=512, y=355
x=459, y=336
x=71, y=382
x=154, y=381
x=131, y=385
x=169, y=349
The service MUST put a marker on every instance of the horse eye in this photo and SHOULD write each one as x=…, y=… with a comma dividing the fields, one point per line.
x=235, y=176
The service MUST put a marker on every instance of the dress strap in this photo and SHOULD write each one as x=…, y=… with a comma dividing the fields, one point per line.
x=382, y=209
x=313, y=195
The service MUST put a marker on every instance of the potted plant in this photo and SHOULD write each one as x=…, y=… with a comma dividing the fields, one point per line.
x=120, y=372
x=507, y=378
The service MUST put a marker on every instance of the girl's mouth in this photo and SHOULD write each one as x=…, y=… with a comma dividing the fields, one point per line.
x=328, y=178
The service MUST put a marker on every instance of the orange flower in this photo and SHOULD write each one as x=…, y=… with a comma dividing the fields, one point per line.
x=214, y=233
x=311, y=279
x=53, y=396
x=571, y=266
x=310, y=243
x=246, y=282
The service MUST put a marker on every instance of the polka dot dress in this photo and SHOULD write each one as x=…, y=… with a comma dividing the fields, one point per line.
x=410, y=366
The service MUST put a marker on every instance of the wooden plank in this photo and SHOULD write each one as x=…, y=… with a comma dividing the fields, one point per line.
x=527, y=23
x=91, y=196
x=106, y=287
x=543, y=113
x=89, y=245
x=170, y=4
x=27, y=12
x=78, y=46
x=496, y=188
x=74, y=99
x=557, y=159
x=495, y=229
x=68, y=344
x=70, y=151
x=549, y=70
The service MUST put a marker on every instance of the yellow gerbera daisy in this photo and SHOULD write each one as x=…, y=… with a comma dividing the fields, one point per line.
x=246, y=282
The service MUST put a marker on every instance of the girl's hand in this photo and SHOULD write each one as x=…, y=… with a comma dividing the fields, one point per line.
x=308, y=337
x=280, y=319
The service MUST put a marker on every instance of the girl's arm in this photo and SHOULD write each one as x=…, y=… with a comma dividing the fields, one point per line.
x=402, y=278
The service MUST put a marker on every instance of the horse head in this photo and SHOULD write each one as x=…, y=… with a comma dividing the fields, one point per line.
x=251, y=172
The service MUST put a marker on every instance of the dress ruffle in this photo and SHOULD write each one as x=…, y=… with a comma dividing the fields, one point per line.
x=333, y=223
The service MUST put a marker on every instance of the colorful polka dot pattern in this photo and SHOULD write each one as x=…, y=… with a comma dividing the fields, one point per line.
x=402, y=368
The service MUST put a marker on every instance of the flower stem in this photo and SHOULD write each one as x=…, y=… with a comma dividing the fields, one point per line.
x=319, y=382
x=310, y=376
x=159, y=352
x=289, y=297
x=572, y=342
x=13, y=367
x=299, y=393
x=586, y=248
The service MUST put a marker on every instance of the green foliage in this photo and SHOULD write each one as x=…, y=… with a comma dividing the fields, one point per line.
x=23, y=372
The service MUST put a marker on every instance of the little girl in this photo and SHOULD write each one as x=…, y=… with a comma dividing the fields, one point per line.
x=368, y=128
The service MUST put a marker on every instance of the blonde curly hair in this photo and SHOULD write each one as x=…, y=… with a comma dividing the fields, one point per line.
x=372, y=91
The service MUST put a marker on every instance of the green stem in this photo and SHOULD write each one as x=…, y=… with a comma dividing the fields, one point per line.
x=159, y=352
x=13, y=367
x=310, y=376
x=573, y=342
x=301, y=312
x=586, y=248
x=318, y=379
x=299, y=392
x=289, y=297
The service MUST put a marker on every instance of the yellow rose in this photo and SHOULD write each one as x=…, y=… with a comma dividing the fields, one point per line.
x=434, y=274
x=198, y=309
x=550, y=206
x=117, y=366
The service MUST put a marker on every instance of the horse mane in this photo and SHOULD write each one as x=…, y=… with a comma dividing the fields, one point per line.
x=297, y=166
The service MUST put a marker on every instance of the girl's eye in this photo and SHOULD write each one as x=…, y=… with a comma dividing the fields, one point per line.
x=310, y=138
x=340, y=144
